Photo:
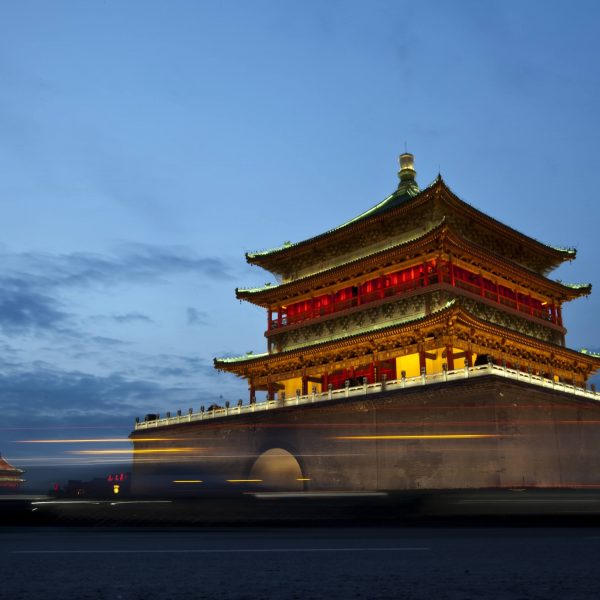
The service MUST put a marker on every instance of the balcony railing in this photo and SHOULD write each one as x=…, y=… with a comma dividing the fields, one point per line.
x=472, y=288
x=372, y=388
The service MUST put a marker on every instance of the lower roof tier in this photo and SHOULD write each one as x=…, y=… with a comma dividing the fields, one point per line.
x=407, y=307
x=453, y=326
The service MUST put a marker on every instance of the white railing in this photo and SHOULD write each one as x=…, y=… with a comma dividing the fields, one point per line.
x=371, y=388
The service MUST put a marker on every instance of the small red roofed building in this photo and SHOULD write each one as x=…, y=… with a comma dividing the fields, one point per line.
x=10, y=477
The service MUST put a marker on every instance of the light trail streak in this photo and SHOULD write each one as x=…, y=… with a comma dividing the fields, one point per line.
x=187, y=481
x=441, y=436
x=244, y=480
x=133, y=451
x=96, y=441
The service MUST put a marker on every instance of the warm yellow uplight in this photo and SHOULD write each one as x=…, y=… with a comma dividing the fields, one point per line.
x=244, y=480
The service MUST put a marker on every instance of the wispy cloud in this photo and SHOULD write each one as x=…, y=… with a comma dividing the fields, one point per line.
x=196, y=317
x=44, y=392
x=23, y=307
x=131, y=317
x=33, y=286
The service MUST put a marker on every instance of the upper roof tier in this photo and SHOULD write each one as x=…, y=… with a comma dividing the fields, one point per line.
x=441, y=237
x=407, y=214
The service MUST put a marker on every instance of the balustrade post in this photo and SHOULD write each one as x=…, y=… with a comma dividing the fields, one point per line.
x=314, y=393
x=403, y=376
x=445, y=371
x=423, y=376
x=365, y=382
x=383, y=382
x=347, y=387
x=329, y=390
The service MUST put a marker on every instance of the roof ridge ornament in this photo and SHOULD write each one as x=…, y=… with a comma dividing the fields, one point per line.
x=407, y=174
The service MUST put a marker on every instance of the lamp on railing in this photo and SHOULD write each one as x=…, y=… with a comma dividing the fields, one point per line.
x=137, y=420
x=179, y=413
x=190, y=411
x=202, y=408
x=168, y=414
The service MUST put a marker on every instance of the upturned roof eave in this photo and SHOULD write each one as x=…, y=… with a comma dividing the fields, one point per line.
x=255, y=358
x=563, y=254
x=258, y=258
x=450, y=311
x=263, y=296
x=268, y=258
x=254, y=294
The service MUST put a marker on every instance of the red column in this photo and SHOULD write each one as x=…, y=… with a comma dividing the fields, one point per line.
x=325, y=384
x=422, y=361
x=530, y=305
x=279, y=321
x=449, y=358
x=304, y=385
x=468, y=358
x=425, y=277
x=270, y=395
x=481, y=288
x=451, y=267
x=269, y=319
x=382, y=288
x=252, y=392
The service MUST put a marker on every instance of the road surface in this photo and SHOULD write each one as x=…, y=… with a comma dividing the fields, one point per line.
x=244, y=562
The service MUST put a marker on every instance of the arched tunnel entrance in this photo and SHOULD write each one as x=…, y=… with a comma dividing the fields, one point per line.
x=278, y=469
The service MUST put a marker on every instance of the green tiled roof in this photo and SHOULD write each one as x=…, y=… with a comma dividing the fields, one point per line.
x=248, y=356
x=576, y=286
x=392, y=200
x=373, y=329
x=391, y=245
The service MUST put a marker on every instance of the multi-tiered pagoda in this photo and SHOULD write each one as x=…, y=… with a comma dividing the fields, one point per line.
x=421, y=283
x=420, y=345
x=10, y=477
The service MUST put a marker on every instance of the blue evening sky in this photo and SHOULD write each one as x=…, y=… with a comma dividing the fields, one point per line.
x=145, y=146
